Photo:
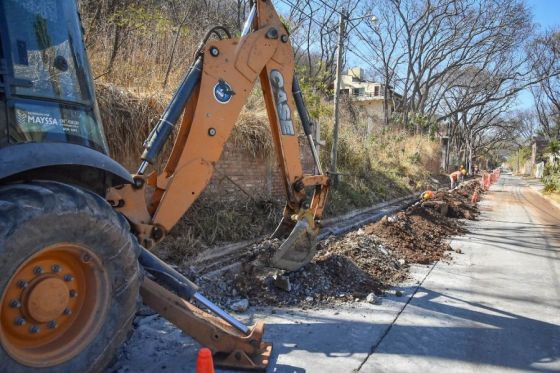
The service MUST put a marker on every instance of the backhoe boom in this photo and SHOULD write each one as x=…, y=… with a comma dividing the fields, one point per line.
x=211, y=98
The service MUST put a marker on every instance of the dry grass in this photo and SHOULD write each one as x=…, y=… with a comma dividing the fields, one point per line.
x=252, y=133
x=128, y=119
x=386, y=164
x=210, y=221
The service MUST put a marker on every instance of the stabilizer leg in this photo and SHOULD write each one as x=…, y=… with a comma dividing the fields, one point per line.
x=231, y=348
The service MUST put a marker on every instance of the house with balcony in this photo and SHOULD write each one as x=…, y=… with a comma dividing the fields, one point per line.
x=368, y=95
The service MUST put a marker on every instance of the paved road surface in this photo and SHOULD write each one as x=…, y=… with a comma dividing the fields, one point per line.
x=495, y=308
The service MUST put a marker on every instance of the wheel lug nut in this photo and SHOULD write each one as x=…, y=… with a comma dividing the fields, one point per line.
x=68, y=278
x=20, y=321
x=52, y=324
x=67, y=311
x=14, y=303
x=37, y=270
x=34, y=329
x=73, y=293
x=55, y=268
x=22, y=284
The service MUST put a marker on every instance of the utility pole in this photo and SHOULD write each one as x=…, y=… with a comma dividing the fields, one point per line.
x=339, y=54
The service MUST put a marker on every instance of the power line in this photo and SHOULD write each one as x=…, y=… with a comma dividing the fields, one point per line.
x=287, y=2
x=329, y=6
x=353, y=49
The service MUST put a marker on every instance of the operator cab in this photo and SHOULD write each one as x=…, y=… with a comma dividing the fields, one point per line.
x=47, y=98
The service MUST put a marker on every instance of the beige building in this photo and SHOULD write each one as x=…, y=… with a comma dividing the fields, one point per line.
x=368, y=95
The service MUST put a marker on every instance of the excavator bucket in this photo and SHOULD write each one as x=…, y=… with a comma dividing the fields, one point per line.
x=299, y=248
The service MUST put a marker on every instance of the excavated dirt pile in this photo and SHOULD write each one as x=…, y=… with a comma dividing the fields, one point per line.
x=354, y=266
x=419, y=233
x=344, y=269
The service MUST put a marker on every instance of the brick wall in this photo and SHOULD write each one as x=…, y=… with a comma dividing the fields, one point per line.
x=239, y=172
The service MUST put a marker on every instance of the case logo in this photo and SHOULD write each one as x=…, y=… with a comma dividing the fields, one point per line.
x=223, y=92
x=281, y=100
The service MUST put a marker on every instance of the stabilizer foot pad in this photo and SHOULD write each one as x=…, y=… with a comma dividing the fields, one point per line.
x=240, y=360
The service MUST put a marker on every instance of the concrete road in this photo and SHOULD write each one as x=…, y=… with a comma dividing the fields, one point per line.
x=497, y=307
x=494, y=308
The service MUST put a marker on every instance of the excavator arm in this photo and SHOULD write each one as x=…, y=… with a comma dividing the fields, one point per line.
x=209, y=100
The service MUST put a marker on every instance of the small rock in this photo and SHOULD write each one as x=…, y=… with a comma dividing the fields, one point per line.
x=373, y=299
x=383, y=250
x=360, y=232
x=240, y=305
x=458, y=251
x=282, y=282
x=309, y=299
x=399, y=293
x=402, y=262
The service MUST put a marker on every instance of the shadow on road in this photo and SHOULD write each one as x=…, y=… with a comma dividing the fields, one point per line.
x=496, y=330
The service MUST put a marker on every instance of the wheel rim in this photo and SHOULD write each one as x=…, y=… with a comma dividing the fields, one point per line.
x=53, y=305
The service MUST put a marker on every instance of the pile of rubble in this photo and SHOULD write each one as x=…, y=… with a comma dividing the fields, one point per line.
x=345, y=269
x=419, y=233
x=357, y=266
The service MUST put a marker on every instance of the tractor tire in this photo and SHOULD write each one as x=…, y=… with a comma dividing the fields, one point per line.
x=70, y=279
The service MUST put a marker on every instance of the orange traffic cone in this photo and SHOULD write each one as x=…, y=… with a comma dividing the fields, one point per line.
x=474, y=198
x=204, y=363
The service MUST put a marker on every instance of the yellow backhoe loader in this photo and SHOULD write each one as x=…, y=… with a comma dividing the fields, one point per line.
x=76, y=227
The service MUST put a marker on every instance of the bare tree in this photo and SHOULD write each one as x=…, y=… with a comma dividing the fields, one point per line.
x=425, y=44
x=544, y=53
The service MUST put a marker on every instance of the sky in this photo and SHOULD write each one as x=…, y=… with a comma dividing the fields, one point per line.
x=547, y=12
x=547, y=15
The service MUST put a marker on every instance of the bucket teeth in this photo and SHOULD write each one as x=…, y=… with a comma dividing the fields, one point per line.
x=298, y=249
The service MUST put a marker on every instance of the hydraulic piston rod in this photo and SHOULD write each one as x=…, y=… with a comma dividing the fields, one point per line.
x=160, y=133
x=184, y=287
x=306, y=122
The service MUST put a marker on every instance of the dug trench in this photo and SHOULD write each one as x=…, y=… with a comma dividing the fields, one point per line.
x=357, y=266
